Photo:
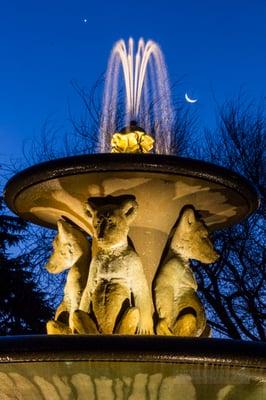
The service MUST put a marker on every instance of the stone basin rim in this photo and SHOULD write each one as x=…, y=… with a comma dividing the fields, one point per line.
x=197, y=351
x=152, y=163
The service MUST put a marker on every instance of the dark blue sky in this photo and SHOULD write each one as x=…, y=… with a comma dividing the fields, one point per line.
x=215, y=46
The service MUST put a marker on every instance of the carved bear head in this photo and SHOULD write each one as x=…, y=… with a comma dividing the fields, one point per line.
x=191, y=238
x=69, y=245
x=111, y=217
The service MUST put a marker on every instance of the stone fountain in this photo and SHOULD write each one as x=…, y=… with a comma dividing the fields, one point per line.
x=129, y=219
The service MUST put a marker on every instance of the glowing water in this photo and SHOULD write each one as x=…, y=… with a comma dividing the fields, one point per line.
x=147, y=93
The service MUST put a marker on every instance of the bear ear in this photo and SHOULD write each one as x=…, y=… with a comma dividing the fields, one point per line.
x=90, y=208
x=129, y=208
x=62, y=227
x=187, y=218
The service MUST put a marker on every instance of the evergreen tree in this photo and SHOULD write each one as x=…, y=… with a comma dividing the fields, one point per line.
x=23, y=307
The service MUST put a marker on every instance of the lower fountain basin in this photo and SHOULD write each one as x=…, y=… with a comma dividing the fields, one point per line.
x=130, y=367
x=161, y=184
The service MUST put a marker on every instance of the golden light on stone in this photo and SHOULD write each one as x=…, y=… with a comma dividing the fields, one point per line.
x=132, y=142
x=128, y=228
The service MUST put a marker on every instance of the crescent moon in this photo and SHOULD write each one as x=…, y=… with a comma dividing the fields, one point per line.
x=189, y=100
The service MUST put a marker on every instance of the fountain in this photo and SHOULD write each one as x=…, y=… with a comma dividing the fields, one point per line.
x=150, y=107
x=130, y=289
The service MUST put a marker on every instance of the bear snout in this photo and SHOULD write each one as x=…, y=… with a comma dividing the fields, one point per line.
x=101, y=229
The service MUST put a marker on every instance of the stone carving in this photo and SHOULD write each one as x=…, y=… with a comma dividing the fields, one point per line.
x=179, y=309
x=136, y=141
x=106, y=292
x=116, y=298
x=71, y=251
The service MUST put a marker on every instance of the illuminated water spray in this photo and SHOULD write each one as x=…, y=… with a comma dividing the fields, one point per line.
x=142, y=76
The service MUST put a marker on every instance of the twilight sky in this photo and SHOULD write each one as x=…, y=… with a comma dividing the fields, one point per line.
x=215, y=47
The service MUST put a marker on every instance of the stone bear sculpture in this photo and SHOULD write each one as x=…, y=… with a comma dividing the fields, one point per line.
x=71, y=251
x=116, y=298
x=179, y=309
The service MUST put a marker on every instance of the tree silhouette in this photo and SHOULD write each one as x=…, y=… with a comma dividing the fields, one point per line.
x=23, y=306
x=234, y=289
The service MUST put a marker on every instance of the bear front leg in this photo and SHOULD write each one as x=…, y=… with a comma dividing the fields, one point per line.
x=145, y=325
x=143, y=300
x=164, y=303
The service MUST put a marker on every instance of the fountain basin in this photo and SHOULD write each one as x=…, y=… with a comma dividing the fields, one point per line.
x=130, y=367
x=162, y=186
